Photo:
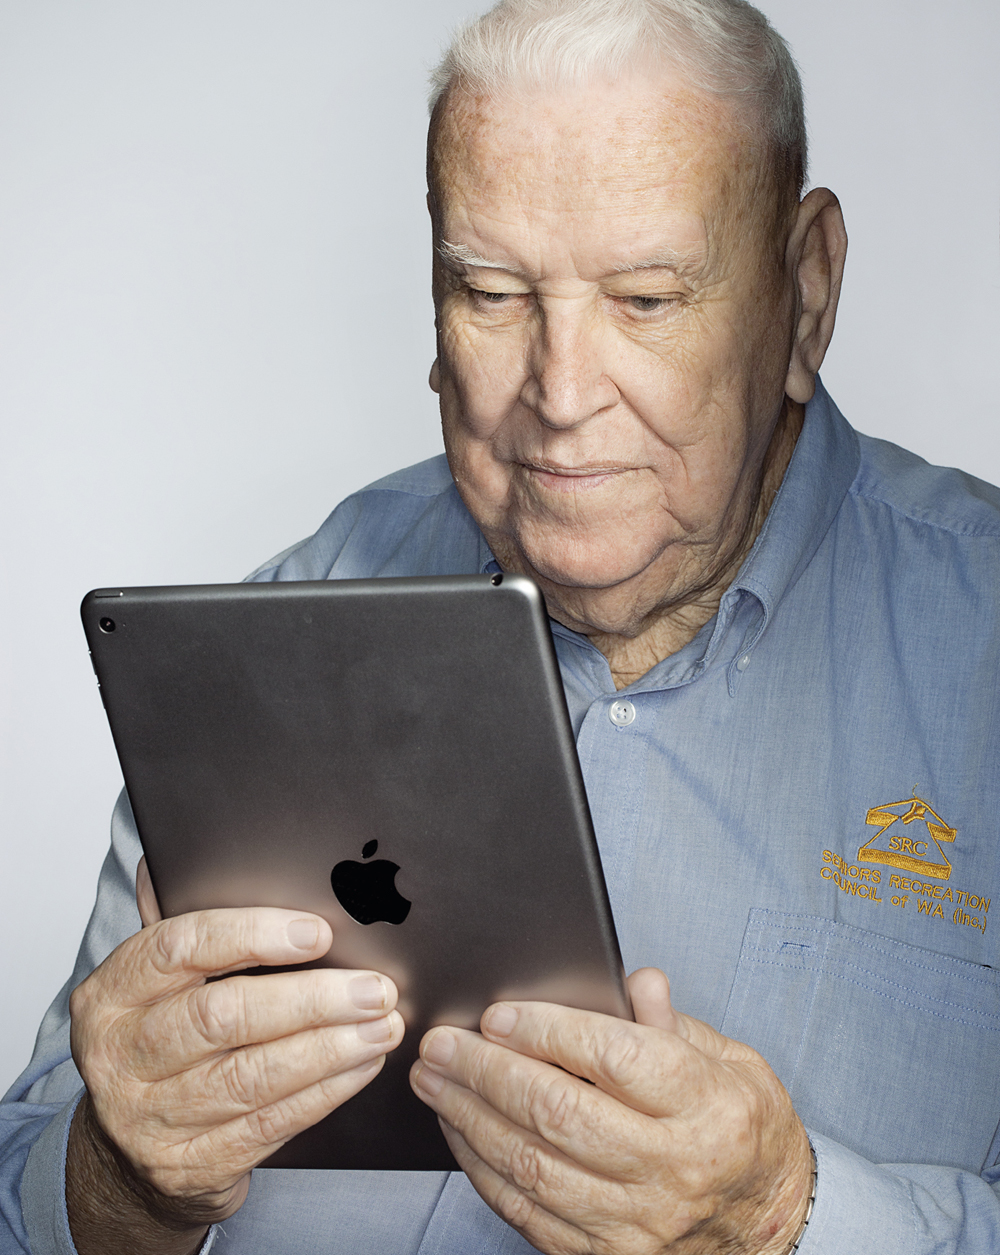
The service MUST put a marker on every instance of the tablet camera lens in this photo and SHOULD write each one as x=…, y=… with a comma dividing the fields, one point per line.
x=497, y=579
x=106, y=624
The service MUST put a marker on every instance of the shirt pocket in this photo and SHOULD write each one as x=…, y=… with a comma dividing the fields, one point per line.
x=891, y=1050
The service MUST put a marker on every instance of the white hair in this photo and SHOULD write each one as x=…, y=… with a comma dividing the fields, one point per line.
x=725, y=47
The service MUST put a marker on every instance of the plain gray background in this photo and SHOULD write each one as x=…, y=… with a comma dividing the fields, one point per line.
x=213, y=291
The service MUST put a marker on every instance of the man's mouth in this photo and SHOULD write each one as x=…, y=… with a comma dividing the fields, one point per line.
x=572, y=478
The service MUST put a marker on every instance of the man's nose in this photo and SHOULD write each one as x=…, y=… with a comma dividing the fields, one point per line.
x=567, y=381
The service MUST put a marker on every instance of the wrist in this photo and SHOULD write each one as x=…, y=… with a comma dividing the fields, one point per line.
x=792, y=1204
x=810, y=1202
x=110, y=1208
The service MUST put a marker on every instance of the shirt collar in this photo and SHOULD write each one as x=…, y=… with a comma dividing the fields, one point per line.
x=822, y=468
x=488, y=565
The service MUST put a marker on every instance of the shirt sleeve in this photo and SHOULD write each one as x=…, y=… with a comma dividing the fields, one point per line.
x=36, y=1113
x=898, y=1209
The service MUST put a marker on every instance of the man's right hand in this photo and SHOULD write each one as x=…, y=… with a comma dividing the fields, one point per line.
x=191, y=1084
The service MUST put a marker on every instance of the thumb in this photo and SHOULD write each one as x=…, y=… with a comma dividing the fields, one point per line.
x=145, y=896
x=649, y=990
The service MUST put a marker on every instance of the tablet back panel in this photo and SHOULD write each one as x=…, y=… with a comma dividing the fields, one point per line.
x=271, y=732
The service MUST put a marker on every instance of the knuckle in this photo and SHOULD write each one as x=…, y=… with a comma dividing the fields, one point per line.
x=316, y=993
x=333, y=1051
x=95, y=994
x=622, y=1058
x=268, y=1125
x=171, y=944
x=96, y=1046
x=241, y=1078
x=523, y=1167
x=479, y=1068
x=553, y=1104
x=79, y=1001
x=218, y=1012
x=515, y=1208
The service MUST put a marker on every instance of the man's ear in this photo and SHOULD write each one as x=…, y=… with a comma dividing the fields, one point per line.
x=816, y=251
x=435, y=376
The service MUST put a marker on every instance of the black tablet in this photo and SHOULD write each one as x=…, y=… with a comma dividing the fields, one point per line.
x=392, y=754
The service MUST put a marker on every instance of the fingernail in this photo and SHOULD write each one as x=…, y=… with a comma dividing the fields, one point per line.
x=428, y=1081
x=367, y=992
x=303, y=933
x=440, y=1048
x=375, y=1030
x=500, y=1020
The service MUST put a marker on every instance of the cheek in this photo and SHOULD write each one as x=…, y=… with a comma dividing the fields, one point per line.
x=699, y=428
x=683, y=392
x=476, y=396
x=482, y=374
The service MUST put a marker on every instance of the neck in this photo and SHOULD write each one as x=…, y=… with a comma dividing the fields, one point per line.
x=670, y=625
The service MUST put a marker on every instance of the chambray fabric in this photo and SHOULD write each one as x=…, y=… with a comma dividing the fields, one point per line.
x=799, y=826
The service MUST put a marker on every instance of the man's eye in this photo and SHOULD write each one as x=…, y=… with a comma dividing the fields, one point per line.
x=492, y=298
x=650, y=304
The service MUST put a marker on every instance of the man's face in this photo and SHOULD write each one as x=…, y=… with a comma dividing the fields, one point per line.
x=610, y=381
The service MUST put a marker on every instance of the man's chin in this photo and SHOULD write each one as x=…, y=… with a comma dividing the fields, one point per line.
x=579, y=572
x=596, y=586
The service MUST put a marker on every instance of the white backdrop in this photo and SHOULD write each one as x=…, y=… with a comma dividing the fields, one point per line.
x=213, y=293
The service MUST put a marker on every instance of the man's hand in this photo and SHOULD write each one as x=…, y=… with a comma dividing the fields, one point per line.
x=191, y=1083
x=682, y=1141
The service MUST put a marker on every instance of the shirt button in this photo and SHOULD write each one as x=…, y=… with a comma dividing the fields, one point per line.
x=621, y=713
x=743, y=663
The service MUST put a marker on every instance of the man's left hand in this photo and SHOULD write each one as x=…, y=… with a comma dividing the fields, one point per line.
x=676, y=1139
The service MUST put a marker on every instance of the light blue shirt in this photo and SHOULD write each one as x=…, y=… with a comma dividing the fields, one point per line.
x=799, y=825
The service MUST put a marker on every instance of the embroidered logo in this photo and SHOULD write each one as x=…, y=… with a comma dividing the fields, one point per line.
x=910, y=837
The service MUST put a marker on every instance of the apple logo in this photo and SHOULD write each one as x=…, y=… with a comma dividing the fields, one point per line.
x=367, y=891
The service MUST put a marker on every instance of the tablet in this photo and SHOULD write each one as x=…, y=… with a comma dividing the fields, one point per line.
x=392, y=754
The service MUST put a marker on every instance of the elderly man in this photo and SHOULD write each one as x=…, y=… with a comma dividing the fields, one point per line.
x=773, y=636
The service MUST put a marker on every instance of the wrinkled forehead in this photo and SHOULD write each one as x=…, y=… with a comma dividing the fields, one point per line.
x=608, y=148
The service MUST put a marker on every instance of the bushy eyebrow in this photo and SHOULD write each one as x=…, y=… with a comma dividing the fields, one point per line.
x=465, y=256
x=667, y=260
x=462, y=255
